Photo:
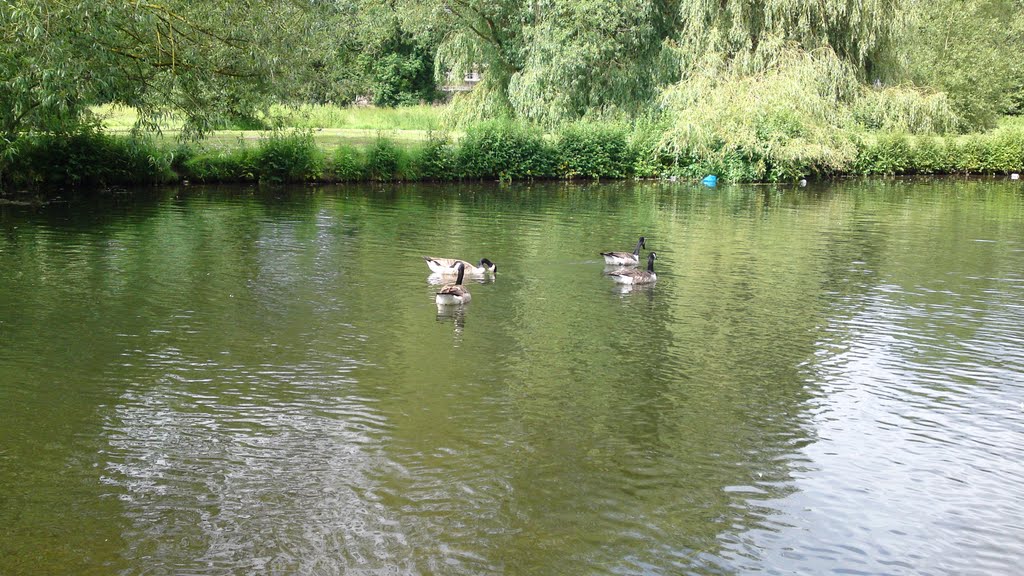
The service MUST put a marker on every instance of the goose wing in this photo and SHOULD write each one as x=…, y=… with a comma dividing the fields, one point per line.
x=445, y=262
x=633, y=276
x=447, y=265
x=628, y=255
x=452, y=294
x=453, y=290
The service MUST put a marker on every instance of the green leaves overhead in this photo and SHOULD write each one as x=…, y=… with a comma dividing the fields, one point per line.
x=941, y=64
x=557, y=59
x=970, y=50
x=750, y=35
x=199, y=59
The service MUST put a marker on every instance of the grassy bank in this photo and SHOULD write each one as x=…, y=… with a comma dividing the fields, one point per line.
x=367, y=144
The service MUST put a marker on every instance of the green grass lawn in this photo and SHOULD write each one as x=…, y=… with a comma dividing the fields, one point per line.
x=327, y=138
x=331, y=126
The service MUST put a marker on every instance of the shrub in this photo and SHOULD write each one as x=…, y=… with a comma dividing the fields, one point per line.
x=645, y=149
x=382, y=160
x=593, y=151
x=1007, y=150
x=885, y=154
x=234, y=165
x=288, y=157
x=1001, y=151
x=504, y=150
x=85, y=158
x=347, y=164
x=969, y=154
x=929, y=155
x=435, y=160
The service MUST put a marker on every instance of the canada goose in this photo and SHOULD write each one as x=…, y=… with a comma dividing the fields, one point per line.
x=634, y=276
x=453, y=294
x=625, y=258
x=447, y=266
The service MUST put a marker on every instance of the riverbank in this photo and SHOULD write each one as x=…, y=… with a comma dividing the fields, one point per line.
x=409, y=148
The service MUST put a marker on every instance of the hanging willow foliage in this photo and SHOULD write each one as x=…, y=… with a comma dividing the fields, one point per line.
x=776, y=124
x=589, y=56
x=552, y=60
x=751, y=36
x=202, y=60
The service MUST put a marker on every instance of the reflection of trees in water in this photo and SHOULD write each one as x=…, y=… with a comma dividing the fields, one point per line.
x=234, y=469
x=671, y=413
x=457, y=316
x=241, y=442
x=571, y=425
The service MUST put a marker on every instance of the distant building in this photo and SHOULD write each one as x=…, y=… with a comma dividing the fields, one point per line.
x=469, y=80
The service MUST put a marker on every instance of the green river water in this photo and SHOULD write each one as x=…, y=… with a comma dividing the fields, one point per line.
x=257, y=381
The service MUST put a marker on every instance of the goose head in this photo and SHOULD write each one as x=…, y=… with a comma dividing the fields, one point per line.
x=641, y=243
x=488, y=265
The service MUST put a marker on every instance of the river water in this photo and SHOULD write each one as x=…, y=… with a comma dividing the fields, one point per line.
x=257, y=381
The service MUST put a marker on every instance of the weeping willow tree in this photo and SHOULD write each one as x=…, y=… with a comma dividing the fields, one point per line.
x=590, y=57
x=200, y=60
x=970, y=50
x=548, y=61
x=765, y=87
x=751, y=36
x=779, y=123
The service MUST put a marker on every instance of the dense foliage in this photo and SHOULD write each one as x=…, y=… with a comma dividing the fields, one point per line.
x=747, y=89
x=970, y=51
x=490, y=151
x=203, y=60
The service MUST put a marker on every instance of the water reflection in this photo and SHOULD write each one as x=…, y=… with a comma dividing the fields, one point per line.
x=647, y=289
x=219, y=467
x=227, y=383
x=456, y=315
x=442, y=279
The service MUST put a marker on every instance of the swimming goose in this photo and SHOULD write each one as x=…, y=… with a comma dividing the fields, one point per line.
x=447, y=266
x=625, y=258
x=453, y=294
x=634, y=276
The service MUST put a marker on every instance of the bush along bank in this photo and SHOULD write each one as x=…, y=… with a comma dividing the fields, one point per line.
x=496, y=150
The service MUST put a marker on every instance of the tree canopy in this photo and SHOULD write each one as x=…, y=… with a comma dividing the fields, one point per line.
x=548, y=61
x=197, y=59
x=971, y=51
x=552, y=60
x=751, y=35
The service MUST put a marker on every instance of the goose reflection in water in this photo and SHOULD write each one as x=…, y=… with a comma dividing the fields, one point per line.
x=634, y=288
x=442, y=279
x=454, y=314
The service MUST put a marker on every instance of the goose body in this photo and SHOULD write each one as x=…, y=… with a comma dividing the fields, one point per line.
x=454, y=294
x=448, y=266
x=625, y=258
x=634, y=276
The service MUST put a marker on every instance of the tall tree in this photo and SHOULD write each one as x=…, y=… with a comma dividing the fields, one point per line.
x=970, y=49
x=551, y=60
x=199, y=59
x=591, y=55
x=749, y=36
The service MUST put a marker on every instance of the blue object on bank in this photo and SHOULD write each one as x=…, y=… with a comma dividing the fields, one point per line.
x=710, y=181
